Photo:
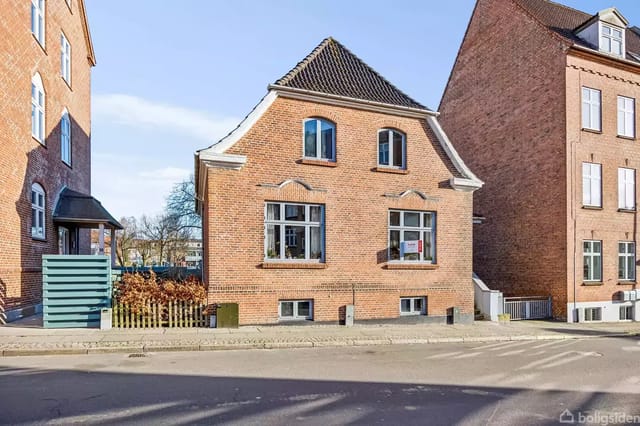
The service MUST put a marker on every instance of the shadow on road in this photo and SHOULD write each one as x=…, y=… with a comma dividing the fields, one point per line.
x=67, y=396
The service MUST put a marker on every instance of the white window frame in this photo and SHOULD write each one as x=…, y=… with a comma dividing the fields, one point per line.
x=591, y=109
x=295, y=310
x=413, y=310
x=626, y=188
x=591, y=184
x=65, y=138
x=612, y=39
x=593, y=254
x=284, y=237
x=38, y=20
x=318, y=156
x=591, y=313
x=38, y=211
x=38, y=110
x=390, y=143
x=65, y=58
x=422, y=229
x=624, y=253
x=626, y=117
x=628, y=313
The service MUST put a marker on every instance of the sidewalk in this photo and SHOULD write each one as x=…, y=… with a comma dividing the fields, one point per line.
x=26, y=338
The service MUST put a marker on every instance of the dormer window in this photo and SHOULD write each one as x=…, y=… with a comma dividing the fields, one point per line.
x=319, y=139
x=611, y=39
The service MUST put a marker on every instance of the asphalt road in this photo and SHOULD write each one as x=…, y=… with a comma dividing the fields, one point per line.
x=518, y=383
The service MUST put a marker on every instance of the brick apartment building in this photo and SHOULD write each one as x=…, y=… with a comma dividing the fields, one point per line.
x=549, y=96
x=337, y=189
x=46, y=58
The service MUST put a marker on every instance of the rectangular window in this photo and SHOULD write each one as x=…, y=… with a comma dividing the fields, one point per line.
x=593, y=314
x=626, y=313
x=413, y=306
x=65, y=59
x=294, y=232
x=626, y=117
x=412, y=236
x=592, y=253
x=591, y=113
x=37, y=20
x=65, y=138
x=296, y=310
x=591, y=184
x=611, y=40
x=626, y=189
x=626, y=261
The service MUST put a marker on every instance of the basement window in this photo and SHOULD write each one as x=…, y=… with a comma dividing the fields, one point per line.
x=593, y=314
x=626, y=313
x=295, y=310
x=413, y=306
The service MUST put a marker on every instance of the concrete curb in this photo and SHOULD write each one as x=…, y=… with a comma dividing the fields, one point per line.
x=311, y=343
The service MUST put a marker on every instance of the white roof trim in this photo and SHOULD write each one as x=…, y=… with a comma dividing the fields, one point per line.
x=470, y=182
x=236, y=134
x=227, y=161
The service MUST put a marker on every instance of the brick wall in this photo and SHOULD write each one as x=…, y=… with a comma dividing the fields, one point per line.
x=503, y=109
x=24, y=160
x=606, y=148
x=356, y=214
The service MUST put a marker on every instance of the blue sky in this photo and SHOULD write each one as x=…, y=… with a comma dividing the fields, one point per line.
x=175, y=76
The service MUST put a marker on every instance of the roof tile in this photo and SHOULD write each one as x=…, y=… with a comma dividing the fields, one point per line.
x=331, y=68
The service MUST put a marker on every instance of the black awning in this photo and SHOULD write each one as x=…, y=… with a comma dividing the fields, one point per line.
x=82, y=210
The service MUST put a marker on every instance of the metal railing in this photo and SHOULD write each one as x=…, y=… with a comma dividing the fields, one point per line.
x=523, y=308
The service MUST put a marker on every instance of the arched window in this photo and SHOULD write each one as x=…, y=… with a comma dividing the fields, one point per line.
x=65, y=137
x=37, y=108
x=37, y=20
x=37, y=211
x=319, y=139
x=391, y=149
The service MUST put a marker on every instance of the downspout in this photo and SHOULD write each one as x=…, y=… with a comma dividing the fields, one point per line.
x=573, y=215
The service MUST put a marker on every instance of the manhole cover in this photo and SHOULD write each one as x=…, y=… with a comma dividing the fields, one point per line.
x=137, y=355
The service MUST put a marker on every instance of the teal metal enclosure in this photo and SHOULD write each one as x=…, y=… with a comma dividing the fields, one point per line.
x=75, y=289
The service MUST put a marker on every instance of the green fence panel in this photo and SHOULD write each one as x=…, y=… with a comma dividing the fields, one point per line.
x=75, y=289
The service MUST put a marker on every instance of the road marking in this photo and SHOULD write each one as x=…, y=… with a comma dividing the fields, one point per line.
x=577, y=357
x=467, y=355
x=509, y=353
x=543, y=360
x=511, y=345
x=445, y=355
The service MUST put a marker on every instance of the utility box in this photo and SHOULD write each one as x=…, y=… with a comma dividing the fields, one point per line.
x=349, y=315
x=227, y=315
x=106, y=316
x=453, y=315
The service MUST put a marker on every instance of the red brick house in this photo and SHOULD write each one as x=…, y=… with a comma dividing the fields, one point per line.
x=337, y=189
x=549, y=96
x=45, y=170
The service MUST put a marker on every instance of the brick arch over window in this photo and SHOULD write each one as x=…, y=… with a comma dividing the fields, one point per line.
x=300, y=182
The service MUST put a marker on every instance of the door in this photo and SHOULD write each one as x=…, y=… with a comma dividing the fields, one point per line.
x=63, y=240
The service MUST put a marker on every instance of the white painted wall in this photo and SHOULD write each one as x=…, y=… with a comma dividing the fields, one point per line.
x=488, y=301
x=610, y=310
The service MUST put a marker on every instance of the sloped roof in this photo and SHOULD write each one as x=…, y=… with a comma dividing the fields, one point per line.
x=332, y=69
x=76, y=207
x=91, y=56
x=564, y=20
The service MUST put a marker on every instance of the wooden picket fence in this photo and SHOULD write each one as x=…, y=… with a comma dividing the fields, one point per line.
x=173, y=315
